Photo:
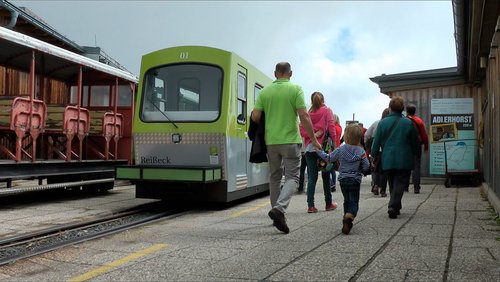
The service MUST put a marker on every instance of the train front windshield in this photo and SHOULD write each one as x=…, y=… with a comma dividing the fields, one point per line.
x=182, y=92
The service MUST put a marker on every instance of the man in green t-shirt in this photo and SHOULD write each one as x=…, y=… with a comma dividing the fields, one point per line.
x=282, y=102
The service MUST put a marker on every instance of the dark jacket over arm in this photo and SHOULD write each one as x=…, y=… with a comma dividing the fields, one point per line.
x=256, y=132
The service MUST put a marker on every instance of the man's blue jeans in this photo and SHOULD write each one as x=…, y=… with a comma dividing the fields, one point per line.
x=350, y=190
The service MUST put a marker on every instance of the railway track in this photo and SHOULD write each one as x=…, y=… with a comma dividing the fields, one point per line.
x=35, y=243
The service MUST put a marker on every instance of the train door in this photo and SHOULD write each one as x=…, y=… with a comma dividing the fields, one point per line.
x=241, y=129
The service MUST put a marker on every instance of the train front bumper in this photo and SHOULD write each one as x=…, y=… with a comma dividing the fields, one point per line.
x=200, y=174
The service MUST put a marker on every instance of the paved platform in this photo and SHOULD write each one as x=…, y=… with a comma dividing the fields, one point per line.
x=45, y=209
x=442, y=234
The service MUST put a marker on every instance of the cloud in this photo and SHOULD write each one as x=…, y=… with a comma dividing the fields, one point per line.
x=333, y=46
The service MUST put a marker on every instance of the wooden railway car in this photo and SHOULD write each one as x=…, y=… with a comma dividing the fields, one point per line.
x=190, y=128
x=65, y=119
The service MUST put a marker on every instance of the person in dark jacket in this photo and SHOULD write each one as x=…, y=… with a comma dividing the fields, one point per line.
x=396, y=139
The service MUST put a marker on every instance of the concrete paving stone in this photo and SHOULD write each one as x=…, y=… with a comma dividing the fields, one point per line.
x=471, y=277
x=298, y=272
x=160, y=268
x=22, y=229
x=287, y=245
x=424, y=276
x=474, y=232
x=329, y=257
x=371, y=229
x=22, y=268
x=472, y=206
x=242, y=244
x=467, y=217
x=6, y=231
x=307, y=234
x=120, y=242
x=429, y=241
x=437, y=209
x=431, y=217
x=37, y=269
x=195, y=278
x=475, y=243
x=372, y=273
x=248, y=269
x=437, y=230
x=265, y=255
x=73, y=254
x=263, y=233
x=181, y=239
x=474, y=260
x=424, y=258
x=204, y=253
x=359, y=238
x=358, y=246
x=495, y=251
x=226, y=230
x=9, y=216
x=248, y=218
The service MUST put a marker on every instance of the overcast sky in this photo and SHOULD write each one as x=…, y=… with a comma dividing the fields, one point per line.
x=334, y=46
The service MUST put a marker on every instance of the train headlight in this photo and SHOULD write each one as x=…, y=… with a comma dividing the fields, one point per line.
x=176, y=138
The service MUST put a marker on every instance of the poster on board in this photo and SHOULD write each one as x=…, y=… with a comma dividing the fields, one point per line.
x=452, y=129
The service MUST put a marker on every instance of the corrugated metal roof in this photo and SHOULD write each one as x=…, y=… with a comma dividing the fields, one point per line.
x=418, y=79
x=23, y=20
x=30, y=24
x=63, y=64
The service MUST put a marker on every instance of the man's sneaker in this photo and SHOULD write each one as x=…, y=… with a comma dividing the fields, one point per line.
x=416, y=190
x=392, y=213
x=347, y=223
x=312, y=210
x=383, y=193
x=331, y=207
x=279, y=220
x=375, y=190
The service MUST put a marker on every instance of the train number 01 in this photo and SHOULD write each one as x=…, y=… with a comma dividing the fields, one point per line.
x=184, y=55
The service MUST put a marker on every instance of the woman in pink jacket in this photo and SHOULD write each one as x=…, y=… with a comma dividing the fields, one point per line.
x=322, y=120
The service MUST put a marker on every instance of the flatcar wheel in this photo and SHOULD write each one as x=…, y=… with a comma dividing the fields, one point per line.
x=447, y=182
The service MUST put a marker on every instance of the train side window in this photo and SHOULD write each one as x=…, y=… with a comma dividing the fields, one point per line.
x=99, y=96
x=124, y=96
x=242, y=98
x=256, y=92
x=74, y=96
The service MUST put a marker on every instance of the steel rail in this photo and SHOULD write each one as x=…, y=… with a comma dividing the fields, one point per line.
x=35, y=243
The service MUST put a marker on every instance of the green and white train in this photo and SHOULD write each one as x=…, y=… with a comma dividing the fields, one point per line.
x=190, y=126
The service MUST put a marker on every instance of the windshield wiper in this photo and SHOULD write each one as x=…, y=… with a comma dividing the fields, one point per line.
x=162, y=112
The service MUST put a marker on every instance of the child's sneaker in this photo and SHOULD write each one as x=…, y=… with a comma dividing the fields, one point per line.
x=312, y=210
x=331, y=207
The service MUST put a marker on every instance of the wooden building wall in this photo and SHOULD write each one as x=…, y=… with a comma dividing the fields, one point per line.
x=16, y=83
x=421, y=98
x=490, y=113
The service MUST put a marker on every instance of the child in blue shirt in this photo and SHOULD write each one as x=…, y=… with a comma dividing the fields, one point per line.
x=352, y=163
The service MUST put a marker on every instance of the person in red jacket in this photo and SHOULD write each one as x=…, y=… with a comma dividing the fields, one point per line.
x=423, y=139
x=338, y=130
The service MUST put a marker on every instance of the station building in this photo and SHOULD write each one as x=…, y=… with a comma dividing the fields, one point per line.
x=460, y=105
